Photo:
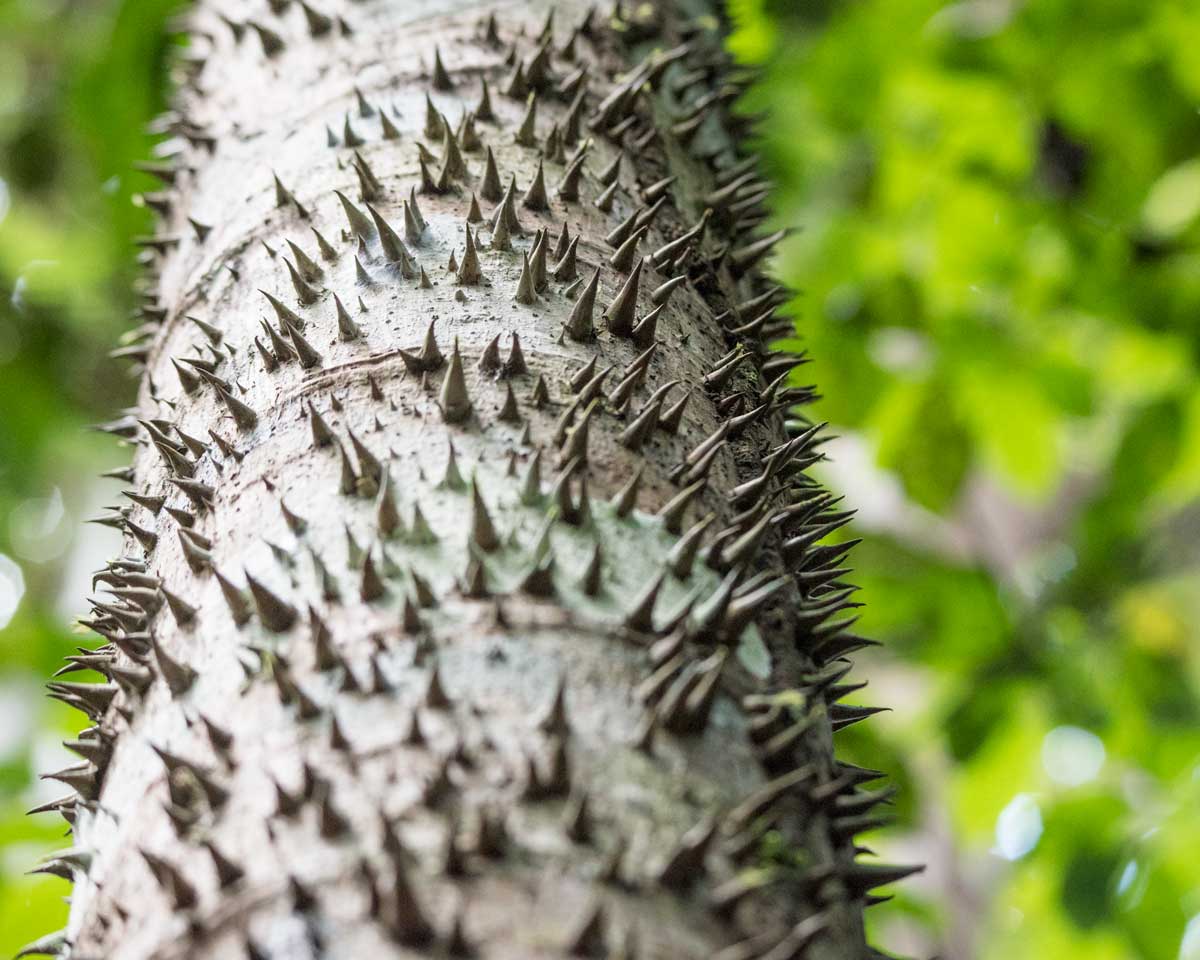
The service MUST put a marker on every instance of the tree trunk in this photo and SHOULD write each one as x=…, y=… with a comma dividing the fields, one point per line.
x=430, y=640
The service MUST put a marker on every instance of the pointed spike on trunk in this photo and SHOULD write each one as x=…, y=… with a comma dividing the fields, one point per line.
x=388, y=128
x=318, y=23
x=579, y=324
x=686, y=863
x=183, y=612
x=531, y=482
x=501, y=235
x=435, y=694
x=430, y=357
x=535, y=196
x=452, y=478
x=360, y=223
x=483, y=532
x=370, y=467
x=568, y=186
x=393, y=247
x=321, y=434
x=454, y=400
x=414, y=208
x=308, y=268
x=604, y=202
x=576, y=445
x=287, y=316
x=51, y=945
x=283, y=196
x=434, y=185
x=622, y=259
x=452, y=160
x=537, y=262
x=611, y=172
x=178, y=676
x=484, y=110
x=275, y=613
x=489, y=360
x=645, y=330
x=243, y=415
x=433, y=120
x=228, y=872
x=469, y=271
x=662, y=293
x=474, y=214
x=640, y=428
x=622, y=231
x=508, y=206
x=305, y=351
x=509, y=411
x=516, y=86
x=525, y=287
x=371, y=586
x=621, y=312
x=490, y=188
x=440, y=78
x=387, y=513
x=347, y=329
x=641, y=615
x=626, y=498
x=673, y=511
x=541, y=392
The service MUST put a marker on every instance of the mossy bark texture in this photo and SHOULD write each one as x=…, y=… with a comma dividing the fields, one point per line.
x=474, y=600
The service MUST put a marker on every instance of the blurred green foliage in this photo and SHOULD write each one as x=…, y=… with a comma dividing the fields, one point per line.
x=79, y=79
x=999, y=203
x=999, y=284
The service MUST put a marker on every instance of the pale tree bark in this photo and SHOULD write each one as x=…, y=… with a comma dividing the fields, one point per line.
x=473, y=603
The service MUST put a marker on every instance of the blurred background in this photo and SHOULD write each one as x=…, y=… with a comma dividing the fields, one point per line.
x=999, y=279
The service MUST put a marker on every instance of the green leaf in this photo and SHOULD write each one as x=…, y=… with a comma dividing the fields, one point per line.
x=921, y=439
x=1173, y=202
